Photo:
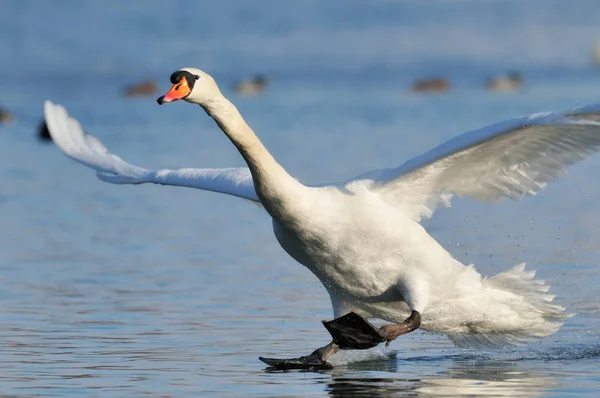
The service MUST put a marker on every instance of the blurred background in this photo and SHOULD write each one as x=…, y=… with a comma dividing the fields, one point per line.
x=163, y=291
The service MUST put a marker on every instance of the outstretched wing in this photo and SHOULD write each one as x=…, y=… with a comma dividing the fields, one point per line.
x=88, y=150
x=511, y=159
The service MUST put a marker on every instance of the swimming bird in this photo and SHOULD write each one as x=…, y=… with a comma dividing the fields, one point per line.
x=511, y=81
x=140, y=89
x=5, y=116
x=596, y=55
x=363, y=238
x=433, y=85
x=252, y=86
x=43, y=132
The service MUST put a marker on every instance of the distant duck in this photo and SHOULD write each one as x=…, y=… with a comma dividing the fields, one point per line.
x=511, y=81
x=434, y=85
x=140, y=89
x=597, y=55
x=251, y=86
x=43, y=132
x=5, y=116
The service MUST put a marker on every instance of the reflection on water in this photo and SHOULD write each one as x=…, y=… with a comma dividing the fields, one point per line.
x=463, y=378
x=486, y=378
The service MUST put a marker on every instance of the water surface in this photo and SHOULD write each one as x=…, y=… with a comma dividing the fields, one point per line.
x=157, y=291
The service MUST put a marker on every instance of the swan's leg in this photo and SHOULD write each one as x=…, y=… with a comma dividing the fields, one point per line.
x=349, y=332
x=391, y=332
x=414, y=290
x=352, y=332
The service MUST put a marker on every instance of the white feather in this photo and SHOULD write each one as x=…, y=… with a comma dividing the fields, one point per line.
x=88, y=150
x=510, y=159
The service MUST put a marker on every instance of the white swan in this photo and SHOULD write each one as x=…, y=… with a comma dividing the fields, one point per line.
x=362, y=237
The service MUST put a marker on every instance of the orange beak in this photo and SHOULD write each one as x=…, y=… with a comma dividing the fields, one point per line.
x=179, y=91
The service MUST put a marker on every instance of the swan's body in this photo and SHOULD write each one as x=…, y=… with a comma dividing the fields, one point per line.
x=362, y=238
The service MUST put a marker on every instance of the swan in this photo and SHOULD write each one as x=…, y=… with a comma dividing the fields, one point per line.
x=363, y=239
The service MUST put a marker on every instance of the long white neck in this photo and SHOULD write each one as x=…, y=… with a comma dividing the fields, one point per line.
x=276, y=189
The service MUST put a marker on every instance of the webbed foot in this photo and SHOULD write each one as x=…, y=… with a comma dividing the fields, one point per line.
x=305, y=362
x=318, y=359
x=353, y=332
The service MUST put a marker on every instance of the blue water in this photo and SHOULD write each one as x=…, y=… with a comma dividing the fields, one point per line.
x=157, y=291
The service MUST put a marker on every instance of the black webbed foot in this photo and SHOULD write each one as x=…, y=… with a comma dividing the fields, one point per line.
x=353, y=332
x=317, y=360
x=312, y=361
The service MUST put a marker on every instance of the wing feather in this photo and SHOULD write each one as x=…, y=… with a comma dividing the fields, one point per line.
x=513, y=159
x=69, y=136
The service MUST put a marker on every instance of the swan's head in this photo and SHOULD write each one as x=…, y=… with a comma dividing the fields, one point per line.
x=191, y=85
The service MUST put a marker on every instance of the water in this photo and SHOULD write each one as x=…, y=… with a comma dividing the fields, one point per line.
x=158, y=291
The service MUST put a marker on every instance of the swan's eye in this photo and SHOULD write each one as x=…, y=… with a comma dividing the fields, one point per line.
x=197, y=77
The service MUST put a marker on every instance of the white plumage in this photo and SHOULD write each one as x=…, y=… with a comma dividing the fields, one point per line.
x=362, y=238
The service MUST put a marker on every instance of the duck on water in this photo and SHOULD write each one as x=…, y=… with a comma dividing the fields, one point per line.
x=362, y=237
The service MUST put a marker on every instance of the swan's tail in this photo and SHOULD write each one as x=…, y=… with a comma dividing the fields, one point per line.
x=510, y=308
